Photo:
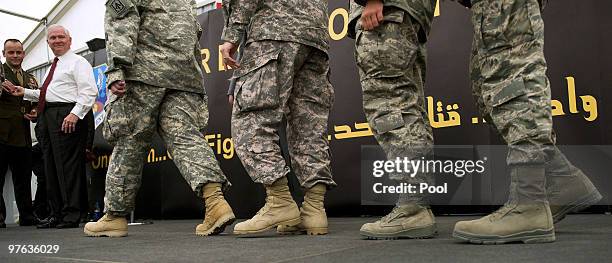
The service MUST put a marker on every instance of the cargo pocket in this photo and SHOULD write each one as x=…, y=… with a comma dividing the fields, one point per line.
x=389, y=49
x=202, y=114
x=507, y=93
x=493, y=25
x=260, y=147
x=389, y=122
x=505, y=24
x=257, y=86
x=512, y=110
x=115, y=121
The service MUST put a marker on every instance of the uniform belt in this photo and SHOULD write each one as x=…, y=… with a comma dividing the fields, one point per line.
x=59, y=104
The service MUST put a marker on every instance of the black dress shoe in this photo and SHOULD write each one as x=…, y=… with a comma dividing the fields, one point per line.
x=2, y=225
x=67, y=225
x=50, y=222
x=30, y=221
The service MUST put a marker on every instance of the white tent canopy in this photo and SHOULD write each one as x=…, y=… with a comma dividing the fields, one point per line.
x=18, y=18
x=25, y=20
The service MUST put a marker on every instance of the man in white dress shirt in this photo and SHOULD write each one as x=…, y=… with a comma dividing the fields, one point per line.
x=66, y=95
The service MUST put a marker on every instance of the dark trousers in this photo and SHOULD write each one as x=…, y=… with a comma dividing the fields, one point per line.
x=64, y=160
x=41, y=202
x=19, y=160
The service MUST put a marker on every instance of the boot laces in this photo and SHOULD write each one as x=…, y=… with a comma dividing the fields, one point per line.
x=501, y=212
x=266, y=206
x=395, y=213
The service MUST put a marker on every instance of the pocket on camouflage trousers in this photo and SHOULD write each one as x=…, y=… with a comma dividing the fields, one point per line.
x=504, y=23
x=389, y=49
x=388, y=122
x=257, y=86
x=116, y=121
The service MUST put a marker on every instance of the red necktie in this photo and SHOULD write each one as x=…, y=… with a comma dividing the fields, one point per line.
x=43, y=90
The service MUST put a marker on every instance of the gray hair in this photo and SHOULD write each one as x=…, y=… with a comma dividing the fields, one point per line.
x=58, y=26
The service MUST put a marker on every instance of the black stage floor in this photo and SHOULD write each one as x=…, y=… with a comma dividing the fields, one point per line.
x=580, y=238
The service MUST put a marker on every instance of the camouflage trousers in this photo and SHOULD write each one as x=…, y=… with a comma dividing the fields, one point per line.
x=283, y=79
x=508, y=73
x=392, y=64
x=179, y=117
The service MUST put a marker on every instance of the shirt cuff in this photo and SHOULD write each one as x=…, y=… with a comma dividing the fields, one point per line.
x=80, y=110
x=114, y=75
x=31, y=95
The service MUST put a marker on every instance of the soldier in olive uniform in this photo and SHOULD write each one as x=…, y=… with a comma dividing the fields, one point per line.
x=156, y=78
x=390, y=38
x=283, y=74
x=15, y=137
x=508, y=72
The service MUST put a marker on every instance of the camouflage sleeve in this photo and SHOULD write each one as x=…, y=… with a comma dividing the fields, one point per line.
x=197, y=53
x=355, y=14
x=121, y=23
x=237, y=15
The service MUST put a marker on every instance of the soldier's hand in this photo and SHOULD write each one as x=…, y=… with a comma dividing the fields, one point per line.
x=118, y=88
x=69, y=124
x=31, y=116
x=372, y=15
x=230, y=100
x=228, y=50
x=12, y=89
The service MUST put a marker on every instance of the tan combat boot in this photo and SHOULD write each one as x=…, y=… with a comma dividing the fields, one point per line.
x=219, y=213
x=568, y=188
x=280, y=209
x=314, y=218
x=526, y=217
x=108, y=225
x=404, y=221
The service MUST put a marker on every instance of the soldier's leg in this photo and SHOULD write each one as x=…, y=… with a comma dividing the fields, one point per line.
x=129, y=125
x=182, y=119
x=309, y=106
x=508, y=73
x=393, y=99
x=21, y=169
x=567, y=187
x=308, y=110
x=265, y=81
x=4, y=152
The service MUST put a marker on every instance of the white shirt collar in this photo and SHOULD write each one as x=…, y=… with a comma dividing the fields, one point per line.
x=68, y=53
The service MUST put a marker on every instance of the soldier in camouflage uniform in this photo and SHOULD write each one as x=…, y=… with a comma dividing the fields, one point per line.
x=508, y=72
x=391, y=58
x=283, y=73
x=155, y=75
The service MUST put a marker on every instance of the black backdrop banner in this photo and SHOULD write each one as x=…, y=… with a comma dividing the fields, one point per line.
x=579, y=54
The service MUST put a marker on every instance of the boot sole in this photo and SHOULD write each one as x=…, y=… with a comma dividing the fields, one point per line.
x=219, y=226
x=314, y=231
x=417, y=233
x=110, y=233
x=290, y=222
x=578, y=205
x=527, y=237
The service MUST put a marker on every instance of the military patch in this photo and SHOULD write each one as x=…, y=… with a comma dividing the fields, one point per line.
x=33, y=84
x=118, y=7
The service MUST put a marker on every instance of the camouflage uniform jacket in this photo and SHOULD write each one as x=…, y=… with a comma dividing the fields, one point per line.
x=421, y=10
x=154, y=42
x=300, y=21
